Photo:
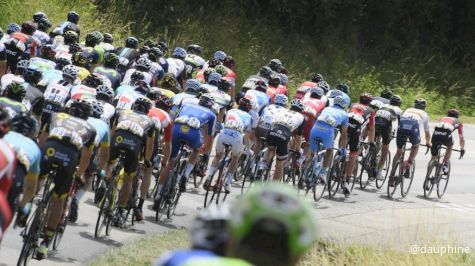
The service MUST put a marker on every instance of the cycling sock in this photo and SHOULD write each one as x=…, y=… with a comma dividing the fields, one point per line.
x=229, y=178
x=140, y=205
x=188, y=169
x=79, y=194
x=211, y=171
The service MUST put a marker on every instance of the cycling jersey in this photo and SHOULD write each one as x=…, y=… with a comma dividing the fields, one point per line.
x=176, y=67
x=83, y=92
x=125, y=100
x=72, y=130
x=271, y=92
x=409, y=126
x=250, y=83
x=235, y=124
x=27, y=151
x=135, y=123
x=330, y=100
x=156, y=71
x=304, y=88
x=128, y=53
x=378, y=102
x=266, y=119
x=14, y=51
x=102, y=137
x=112, y=74
x=383, y=121
x=34, y=99
x=12, y=107
x=168, y=93
x=62, y=51
x=312, y=108
x=56, y=95
x=41, y=64
x=50, y=76
x=162, y=121
x=9, y=78
x=178, y=101
x=59, y=30
x=193, y=64
x=443, y=133
x=128, y=75
x=360, y=116
x=324, y=129
x=109, y=111
x=7, y=166
x=163, y=63
x=418, y=115
x=94, y=54
x=261, y=98
x=221, y=98
x=107, y=47
x=123, y=89
x=31, y=44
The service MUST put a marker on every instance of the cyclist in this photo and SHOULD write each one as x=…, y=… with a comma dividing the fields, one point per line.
x=194, y=125
x=83, y=63
x=142, y=64
x=65, y=48
x=136, y=77
x=16, y=76
x=111, y=61
x=360, y=117
x=286, y=125
x=128, y=54
x=34, y=99
x=443, y=136
x=126, y=99
x=156, y=70
x=260, y=99
x=71, y=24
x=41, y=33
x=237, y=127
x=340, y=89
x=176, y=65
x=385, y=96
x=193, y=60
x=22, y=136
x=7, y=172
x=46, y=61
x=20, y=45
x=384, y=119
x=409, y=125
x=108, y=43
x=105, y=95
x=67, y=142
x=328, y=121
x=270, y=225
x=87, y=89
x=92, y=48
x=12, y=99
x=192, y=87
x=133, y=131
x=304, y=88
x=221, y=97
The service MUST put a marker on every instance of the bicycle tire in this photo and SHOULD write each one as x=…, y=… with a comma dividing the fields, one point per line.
x=380, y=183
x=365, y=165
x=392, y=189
x=441, y=189
x=26, y=253
x=334, y=178
x=206, y=202
x=404, y=184
x=28, y=248
x=103, y=214
x=430, y=175
x=160, y=209
x=58, y=235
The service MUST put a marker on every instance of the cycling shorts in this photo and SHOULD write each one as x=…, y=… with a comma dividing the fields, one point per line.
x=93, y=163
x=63, y=155
x=185, y=134
x=131, y=145
x=354, y=133
x=231, y=137
x=441, y=136
x=279, y=136
x=408, y=129
x=325, y=133
x=261, y=131
x=307, y=128
x=383, y=128
x=17, y=186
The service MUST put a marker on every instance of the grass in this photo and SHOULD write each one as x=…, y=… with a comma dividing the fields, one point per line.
x=148, y=249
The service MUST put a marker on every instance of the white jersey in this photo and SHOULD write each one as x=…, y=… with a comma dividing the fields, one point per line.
x=128, y=75
x=268, y=115
x=388, y=112
x=109, y=111
x=289, y=119
x=126, y=100
x=9, y=78
x=58, y=92
x=175, y=66
x=417, y=114
x=238, y=120
x=42, y=37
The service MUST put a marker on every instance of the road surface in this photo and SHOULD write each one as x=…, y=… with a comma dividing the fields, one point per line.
x=367, y=217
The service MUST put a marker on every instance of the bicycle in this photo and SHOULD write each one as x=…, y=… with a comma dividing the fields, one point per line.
x=395, y=181
x=155, y=173
x=171, y=192
x=292, y=170
x=435, y=175
x=34, y=229
x=336, y=176
x=253, y=175
x=244, y=165
x=369, y=162
x=197, y=170
x=218, y=186
x=309, y=179
x=134, y=195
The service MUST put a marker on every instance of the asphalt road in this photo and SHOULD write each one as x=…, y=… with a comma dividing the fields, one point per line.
x=367, y=217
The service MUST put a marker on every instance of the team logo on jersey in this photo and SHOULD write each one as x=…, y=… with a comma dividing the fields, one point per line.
x=63, y=115
x=50, y=152
x=119, y=139
x=184, y=129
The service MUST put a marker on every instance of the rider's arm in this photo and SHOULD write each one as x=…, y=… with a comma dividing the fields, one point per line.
x=208, y=139
x=86, y=154
x=168, y=142
x=426, y=129
x=371, y=125
x=461, y=138
x=44, y=135
x=343, y=137
x=150, y=144
x=29, y=188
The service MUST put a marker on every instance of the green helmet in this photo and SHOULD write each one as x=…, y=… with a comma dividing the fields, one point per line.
x=15, y=91
x=94, y=38
x=269, y=212
x=221, y=70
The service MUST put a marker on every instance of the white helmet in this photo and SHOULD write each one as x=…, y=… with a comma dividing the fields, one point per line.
x=71, y=71
x=281, y=99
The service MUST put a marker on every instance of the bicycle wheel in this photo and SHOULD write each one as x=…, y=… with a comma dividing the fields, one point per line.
x=210, y=190
x=335, y=176
x=385, y=171
x=443, y=182
x=58, y=235
x=394, y=180
x=407, y=181
x=103, y=217
x=161, y=204
x=29, y=239
x=365, y=167
x=428, y=185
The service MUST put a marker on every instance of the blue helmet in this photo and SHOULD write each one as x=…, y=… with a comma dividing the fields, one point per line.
x=192, y=86
x=281, y=99
x=316, y=93
x=13, y=27
x=219, y=55
x=179, y=53
x=335, y=93
x=341, y=101
x=214, y=78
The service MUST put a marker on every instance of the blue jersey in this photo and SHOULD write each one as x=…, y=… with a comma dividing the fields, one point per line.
x=28, y=152
x=259, y=97
x=196, y=116
x=333, y=117
x=180, y=257
x=177, y=102
x=102, y=129
x=50, y=76
x=123, y=89
x=238, y=120
x=41, y=64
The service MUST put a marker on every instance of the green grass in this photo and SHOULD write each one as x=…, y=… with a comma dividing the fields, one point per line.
x=148, y=249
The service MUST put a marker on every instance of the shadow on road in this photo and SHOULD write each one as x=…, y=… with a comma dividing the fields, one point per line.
x=105, y=241
x=78, y=224
x=52, y=257
x=384, y=196
x=165, y=223
x=340, y=199
x=432, y=199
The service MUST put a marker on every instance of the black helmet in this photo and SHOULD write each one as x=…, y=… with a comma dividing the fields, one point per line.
x=163, y=46
x=76, y=48
x=193, y=49
x=261, y=86
x=92, y=81
x=420, y=104
x=229, y=62
x=296, y=105
x=343, y=87
x=395, y=100
x=142, y=105
x=62, y=62
x=245, y=104
x=366, y=98
x=386, y=93
x=274, y=80
x=80, y=108
x=265, y=72
x=275, y=64
x=316, y=77
x=453, y=113
x=73, y=17
x=153, y=94
x=28, y=28
x=94, y=38
x=70, y=37
x=38, y=16
x=111, y=60
x=33, y=76
x=164, y=103
x=137, y=76
x=206, y=100
x=108, y=38
x=48, y=52
x=25, y=124
x=44, y=24
x=81, y=60
x=131, y=42
x=224, y=85
x=15, y=91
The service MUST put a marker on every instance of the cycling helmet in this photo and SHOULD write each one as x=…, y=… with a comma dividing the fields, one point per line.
x=453, y=113
x=81, y=60
x=73, y=17
x=70, y=37
x=324, y=85
x=208, y=72
x=142, y=105
x=70, y=71
x=420, y=104
x=271, y=224
x=164, y=103
x=61, y=62
x=76, y=48
x=111, y=60
x=224, y=85
x=153, y=94
x=281, y=99
x=104, y=93
x=275, y=64
x=220, y=69
x=209, y=230
x=261, y=86
x=33, y=76
x=179, y=53
x=220, y=56
x=386, y=93
x=341, y=101
x=38, y=16
x=48, y=52
x=80, y=108
x=25, y=124
x=192, y=86
x=4, y=121
x=13, y=27
x=316, y=77
x=163, y=46
x=169, y=81
x=274, y=80
x=96, y=109
x=15, y=91
x=213, y=62
x=193, y=49
x=365, y=98
x=44, y=24
x=296, y=105
x=343, y=87
x=284, y=79
x=335, y=93
x=28, y=28
x=395, y=100
x=316, y=93
x=92, y=80
x=137, y=76
x=229, y=62
x=1, y=33
x=156, y=52
x=23, y=65
x=214, y=78
x=131, y=42
x=108, y=38
x=143, y=63
x=265, y=72
x=94, y=38
x=245, y=104
x=206, y=100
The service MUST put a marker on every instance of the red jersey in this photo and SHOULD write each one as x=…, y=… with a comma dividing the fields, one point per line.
x=271, y=92
x=304, y=88
x=7, y=167
x=163, y=121
x=282, y=90
x=31, y=43
x=312, y=108
x=362, y=113
x=452, y=124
